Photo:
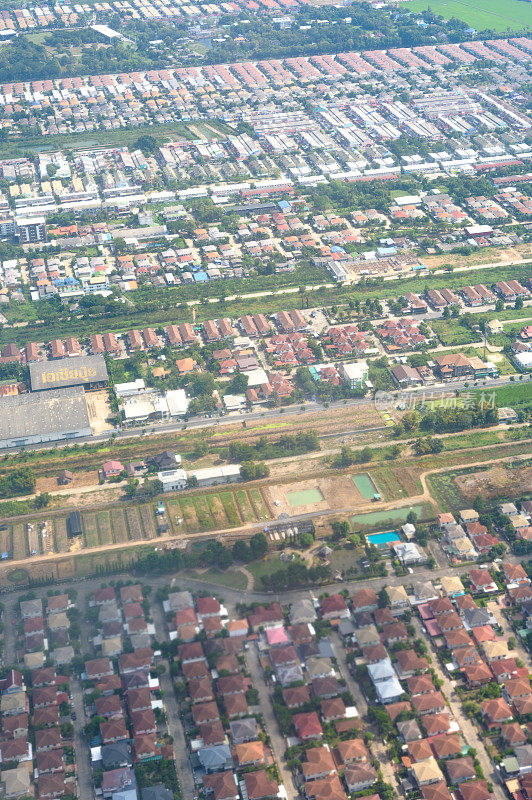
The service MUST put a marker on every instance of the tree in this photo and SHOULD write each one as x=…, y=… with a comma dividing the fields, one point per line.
x=42, y=500
x=131, y=488
x=306, y=540
x=258, y=545
x=241, y=551
x=148, y=144
x=411, y=517
x=340, y=528
x=239, y=384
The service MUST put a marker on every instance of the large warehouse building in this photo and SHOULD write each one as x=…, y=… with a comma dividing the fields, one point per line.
x=87, y=371
x=59, y=414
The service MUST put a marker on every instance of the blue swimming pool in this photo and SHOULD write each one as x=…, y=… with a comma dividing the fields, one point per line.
x=382, y=540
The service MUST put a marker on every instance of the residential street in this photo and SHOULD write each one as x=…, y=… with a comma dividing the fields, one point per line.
x=175, y=727
x=83, y=758
x=270, y=722
x=468, y=728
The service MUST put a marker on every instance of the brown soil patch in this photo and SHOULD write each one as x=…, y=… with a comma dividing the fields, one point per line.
x=49, y=483
x=495, y=482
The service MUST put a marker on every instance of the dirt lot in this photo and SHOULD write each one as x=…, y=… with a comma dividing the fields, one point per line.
x=50, y=483
x=495, y=482
x=486, y=256
x=99, y=411
x=336, y=492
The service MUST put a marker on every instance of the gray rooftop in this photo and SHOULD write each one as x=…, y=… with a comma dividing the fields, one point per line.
x=44, y=414
x=78, y=371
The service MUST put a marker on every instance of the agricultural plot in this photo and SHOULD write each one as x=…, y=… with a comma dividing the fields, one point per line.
x=148, y=521
x=60, y=535
x=217, y=511
x=90, y=530
x=105, y=529
x=259, y=504
x=480, y=14
x=33, y=538
x=229, y=504
x=119, y=525
x=6, y=539
x=134, y=524
x=20, y=548
x=244, y=506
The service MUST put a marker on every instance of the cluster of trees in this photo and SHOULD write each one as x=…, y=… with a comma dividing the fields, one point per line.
x=251, y=470
x=295, y=575
x=19, y=482
x=347, y=457
x=448, y=420
x=286, y=445
x=427, y=444
x=256, y=548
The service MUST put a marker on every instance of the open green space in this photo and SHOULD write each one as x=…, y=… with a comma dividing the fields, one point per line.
x=387, y=518
x=304, y=497
x=480, y=14
x=515, y=395
x=232, y=578
x=365, y=485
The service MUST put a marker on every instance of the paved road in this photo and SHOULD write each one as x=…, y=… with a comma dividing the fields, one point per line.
x=83, y=760
x=184, y=771
x=277, y=740
x=468, y=729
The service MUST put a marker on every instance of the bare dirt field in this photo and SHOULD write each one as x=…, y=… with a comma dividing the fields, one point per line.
x=50, y=483
x=495, y=482
x=336, y=492
x=99, y=411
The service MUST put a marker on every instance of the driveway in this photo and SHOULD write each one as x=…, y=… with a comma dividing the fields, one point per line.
x=277, y=740
x=175, y=727
x=83, y=758
x=468, y=729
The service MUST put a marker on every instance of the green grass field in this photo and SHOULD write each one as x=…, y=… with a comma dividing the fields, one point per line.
x=480, y=14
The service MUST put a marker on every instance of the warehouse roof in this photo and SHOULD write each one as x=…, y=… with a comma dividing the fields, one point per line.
x=78, y=371
x=57, y=411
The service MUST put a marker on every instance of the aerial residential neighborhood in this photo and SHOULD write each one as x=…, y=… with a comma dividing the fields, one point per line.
x=266, y=400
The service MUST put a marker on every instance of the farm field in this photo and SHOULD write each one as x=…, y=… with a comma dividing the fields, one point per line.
x=480, y=14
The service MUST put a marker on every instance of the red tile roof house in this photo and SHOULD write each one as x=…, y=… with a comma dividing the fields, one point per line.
x=131, y=594
x=133, y=611
x=460, y=770
x=113, y=731
x=475, y=790
x=512, y=733
x=143, y=722
x=212, y=733
x=250, y=754
x=350, y=751
x=48, y=739
x=307, y=726
x=296, y=696
x=110, y=469
x=231, y=684
x=103, y=596
x=138, y=700
x=195, y=669
x=221, y=786
x=477, y=675
x=44, y=676
x=200, y=690
x=516, y=688
x=50, y=787
x=15, y=750
x=496, y=712
x=365, y=600
x=109, y=707
x=481, y=581
x=332, y=709
x=318, y=763
x=359, y=776
x=514, y=573
x=53, y=761
x=190, y=652
x=15, y=727
x=260, y=786
x=436, y=724
x=266, y=617
x=45, y=696
x=236, y=705
x=208, y=607
x=138, y=659
x=431, y=703
x=205, y=712
x=43, y=717
x=145, y=747
x=334, y=607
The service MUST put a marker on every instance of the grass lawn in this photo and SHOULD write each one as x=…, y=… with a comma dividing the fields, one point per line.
x=515, y=395
x=232, y=578
x=262, y=567
x=480, y=14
